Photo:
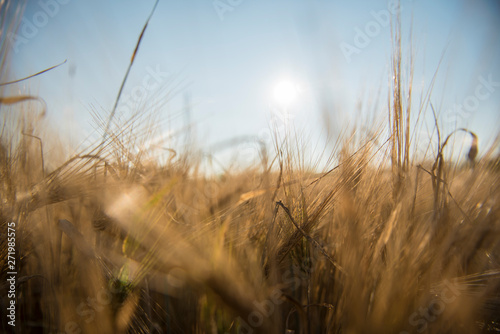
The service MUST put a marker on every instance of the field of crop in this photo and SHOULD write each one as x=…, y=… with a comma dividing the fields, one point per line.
x=111, y=241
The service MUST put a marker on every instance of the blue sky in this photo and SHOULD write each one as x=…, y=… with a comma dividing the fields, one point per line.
x=227, y=64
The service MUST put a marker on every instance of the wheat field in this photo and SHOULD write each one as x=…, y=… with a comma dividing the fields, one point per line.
x=109, y=240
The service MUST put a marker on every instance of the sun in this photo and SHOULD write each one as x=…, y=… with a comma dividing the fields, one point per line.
x=285, y=92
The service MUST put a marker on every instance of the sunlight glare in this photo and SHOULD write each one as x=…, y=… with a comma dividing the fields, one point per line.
x=286, y=92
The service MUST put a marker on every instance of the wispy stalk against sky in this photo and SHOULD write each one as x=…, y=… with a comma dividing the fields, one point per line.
x=227, y=57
